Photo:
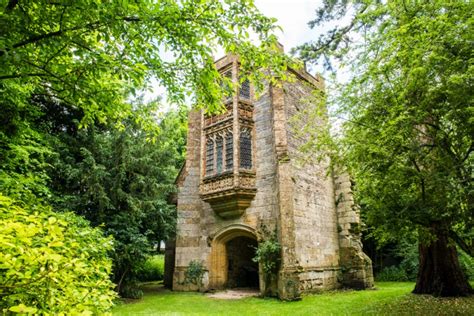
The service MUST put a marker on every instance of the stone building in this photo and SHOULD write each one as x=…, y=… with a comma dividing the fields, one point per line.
x=245, y=179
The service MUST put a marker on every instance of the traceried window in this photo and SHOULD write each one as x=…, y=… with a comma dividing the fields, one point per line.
x=228, y=75
x=245, y=150
x=244, y=91
x=229, y=151
x=209, y=157
x=219, y=149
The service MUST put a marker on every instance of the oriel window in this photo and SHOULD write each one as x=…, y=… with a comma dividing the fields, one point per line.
x=245, y=150
x=229, y=151
x=244, y=91
x=219, y=149
x=209, y=157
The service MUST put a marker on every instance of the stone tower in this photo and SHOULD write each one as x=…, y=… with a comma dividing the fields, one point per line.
x=243, y=179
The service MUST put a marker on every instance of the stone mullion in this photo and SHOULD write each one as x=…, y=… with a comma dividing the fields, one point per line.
x=214, y=155
x=224, y=152
x=235, y=124
x=203, y=148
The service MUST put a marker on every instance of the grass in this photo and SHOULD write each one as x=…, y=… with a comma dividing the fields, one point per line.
x=390, y=298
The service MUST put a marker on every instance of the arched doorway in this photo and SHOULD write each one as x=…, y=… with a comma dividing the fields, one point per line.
x=241, y=270
x=231, y=265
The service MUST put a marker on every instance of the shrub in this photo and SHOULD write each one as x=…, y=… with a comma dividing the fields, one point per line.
x=132, y=289
x=152, y=269
x=407, y=250
x=268, y=255
x=52, y=263
x=392, y=273
x=467, y=264
x=194, y=273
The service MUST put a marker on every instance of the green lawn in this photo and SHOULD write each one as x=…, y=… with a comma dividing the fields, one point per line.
x=390, y=298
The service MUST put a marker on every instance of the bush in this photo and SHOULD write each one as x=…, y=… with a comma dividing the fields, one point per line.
x=132, y=289
x=52, y=263
x=467, y=264
x=194, y=273
x=392, y=273
x=268, y=256
x=407, y=270
x=152, y=269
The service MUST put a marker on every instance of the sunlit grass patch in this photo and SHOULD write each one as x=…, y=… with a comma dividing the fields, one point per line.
x=389, y=298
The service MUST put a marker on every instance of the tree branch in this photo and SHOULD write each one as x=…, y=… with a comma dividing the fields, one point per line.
x=23, y=75
x=461, y=243
x=33, y=39
x=39, y=37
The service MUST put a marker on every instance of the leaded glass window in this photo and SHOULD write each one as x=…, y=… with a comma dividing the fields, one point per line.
x=219, y=148
x=228, y=75
x=244, y=91
x=245, y=150
x=209, y=157
x=229, y=151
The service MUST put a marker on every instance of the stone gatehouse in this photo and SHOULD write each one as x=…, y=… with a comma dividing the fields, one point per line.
x=244, y=178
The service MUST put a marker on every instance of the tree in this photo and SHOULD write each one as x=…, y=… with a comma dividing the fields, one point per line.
x=408, y=131
x=120, y=181
x=92, y=54
x=87, y=59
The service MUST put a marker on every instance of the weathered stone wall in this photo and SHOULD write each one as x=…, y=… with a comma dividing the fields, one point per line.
x=197, y=222
x=296, y=196
x=356, y=266
x=190, y=239
x=316, y=243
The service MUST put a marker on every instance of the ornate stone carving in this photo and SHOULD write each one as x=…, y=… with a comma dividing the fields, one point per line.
x=245, y=111
x=229, y=195
x=217, y=185
x=247, y=182
x=210, y=120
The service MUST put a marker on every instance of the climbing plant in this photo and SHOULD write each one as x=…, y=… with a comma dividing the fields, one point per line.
x=268, y=255
x=194, y=273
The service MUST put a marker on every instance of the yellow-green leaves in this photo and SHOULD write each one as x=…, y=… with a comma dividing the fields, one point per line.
x=22, y=309
x=52, y=263
x=92, y=55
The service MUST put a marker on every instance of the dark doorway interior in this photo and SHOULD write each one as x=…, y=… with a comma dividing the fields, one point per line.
x=243, y=272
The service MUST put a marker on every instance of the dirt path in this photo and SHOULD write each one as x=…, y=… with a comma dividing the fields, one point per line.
x=234, y=294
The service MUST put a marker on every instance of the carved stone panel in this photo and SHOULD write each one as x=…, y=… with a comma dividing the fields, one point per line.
x=229, y=196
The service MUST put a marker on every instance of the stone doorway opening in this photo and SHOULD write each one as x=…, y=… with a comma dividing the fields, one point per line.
x=231, y=265
x=242, y=272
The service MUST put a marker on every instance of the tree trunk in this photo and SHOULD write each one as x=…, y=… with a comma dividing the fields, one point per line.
x=439, y=271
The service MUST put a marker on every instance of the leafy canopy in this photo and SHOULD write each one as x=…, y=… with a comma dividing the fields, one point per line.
x=408, y=110
x=93, y=54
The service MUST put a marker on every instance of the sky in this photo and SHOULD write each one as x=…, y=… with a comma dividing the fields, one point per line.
x=293, y=17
